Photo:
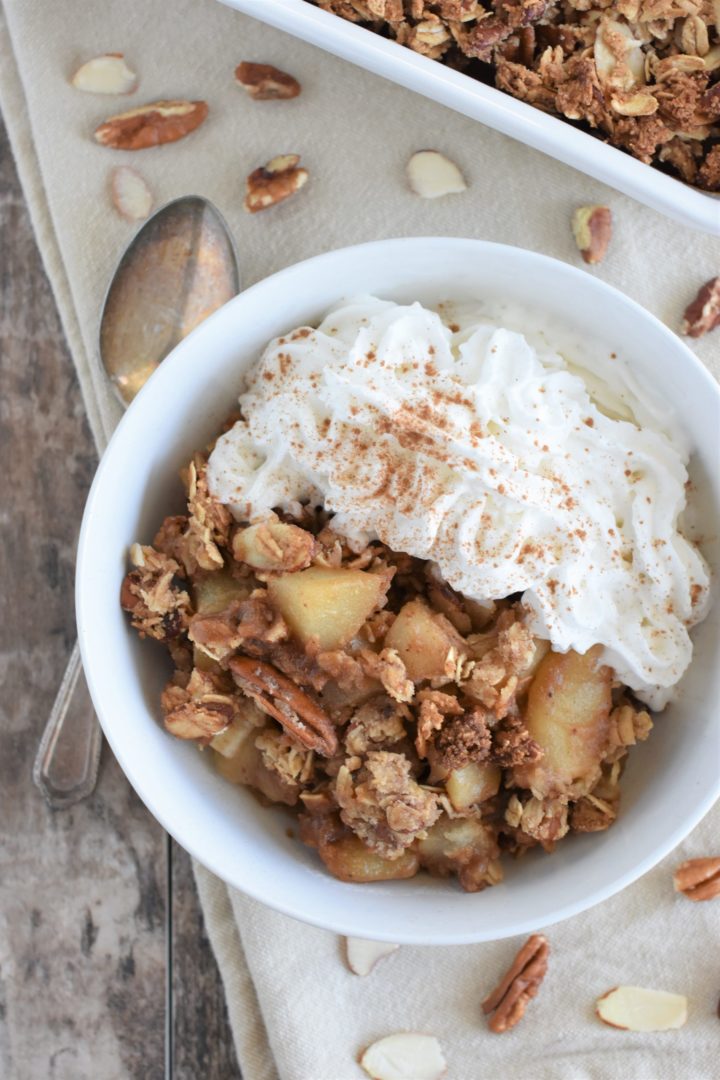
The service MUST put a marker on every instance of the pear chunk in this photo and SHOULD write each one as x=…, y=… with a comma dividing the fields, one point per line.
x=330, y=605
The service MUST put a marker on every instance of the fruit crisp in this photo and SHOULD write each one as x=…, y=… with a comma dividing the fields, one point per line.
x=408, y=727
x=643, y=74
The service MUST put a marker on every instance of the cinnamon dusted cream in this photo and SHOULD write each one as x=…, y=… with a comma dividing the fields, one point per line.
x=513, y=467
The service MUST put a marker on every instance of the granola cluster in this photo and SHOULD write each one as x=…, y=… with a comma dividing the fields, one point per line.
x=642, y=74
x=408, y=726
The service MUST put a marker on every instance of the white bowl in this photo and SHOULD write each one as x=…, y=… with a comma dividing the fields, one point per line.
x=466, y=95
x=670, y=782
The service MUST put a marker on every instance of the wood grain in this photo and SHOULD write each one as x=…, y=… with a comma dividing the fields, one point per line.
x=202, y=1046
x=84, y=909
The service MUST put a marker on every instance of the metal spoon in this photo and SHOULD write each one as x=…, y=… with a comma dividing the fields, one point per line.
x=179, y=268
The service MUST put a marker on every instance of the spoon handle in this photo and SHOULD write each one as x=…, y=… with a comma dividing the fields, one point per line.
x=68, y=757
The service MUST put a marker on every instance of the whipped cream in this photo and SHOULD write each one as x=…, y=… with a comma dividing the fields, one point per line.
x=515, y=469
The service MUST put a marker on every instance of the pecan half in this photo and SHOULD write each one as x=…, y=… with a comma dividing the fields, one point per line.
x=264, y=82
x=698, y=879
x=151, y=125
x=509, y=999
x=279, y=697
x=274, y=182
x=703, y=314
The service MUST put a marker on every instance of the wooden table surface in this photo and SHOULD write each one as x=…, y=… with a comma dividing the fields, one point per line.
x=105, y=970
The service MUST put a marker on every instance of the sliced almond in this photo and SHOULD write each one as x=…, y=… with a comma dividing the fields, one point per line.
x=592, y=229
x=635, y=1008
x=406, y=1055
x=130, y=194
x=432, y=175
x=106, y=74
x=363, y=954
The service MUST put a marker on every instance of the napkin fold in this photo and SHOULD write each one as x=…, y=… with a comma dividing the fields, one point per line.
x=296, y=1012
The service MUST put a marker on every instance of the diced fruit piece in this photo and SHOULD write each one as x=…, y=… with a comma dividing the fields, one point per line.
x=330, y=605
x=350, y=860
x=424, y=640
x=473, y=783
x=462, y=846
x=635, y=1008
x=363, y=954
x=215, y=590
x=274, y=545
x=131, y=196
x=245, y=766
x=107, y=74
x=408, y=1055
x=447, y=837
x=229, y=742
x=568, y=711
x=203, y=661
x=335, y=697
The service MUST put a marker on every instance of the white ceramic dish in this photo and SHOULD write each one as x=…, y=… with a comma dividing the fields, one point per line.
x=670, y=782
x=498, y=110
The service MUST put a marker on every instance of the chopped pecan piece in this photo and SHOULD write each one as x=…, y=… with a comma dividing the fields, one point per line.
x=698, y=879
x=292, y=707
x=264, y=82
x=271, y=184
x=521, y=983
x=703, y=314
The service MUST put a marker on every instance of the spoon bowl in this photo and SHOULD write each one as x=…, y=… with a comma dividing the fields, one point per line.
x=179, y=268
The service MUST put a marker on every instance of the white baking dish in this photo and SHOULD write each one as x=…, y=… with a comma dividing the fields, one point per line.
x=494, y=108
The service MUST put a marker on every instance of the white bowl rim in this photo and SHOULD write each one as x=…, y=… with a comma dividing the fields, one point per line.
x=154, y=388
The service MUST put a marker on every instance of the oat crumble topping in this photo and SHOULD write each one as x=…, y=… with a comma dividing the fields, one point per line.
x=407, y=727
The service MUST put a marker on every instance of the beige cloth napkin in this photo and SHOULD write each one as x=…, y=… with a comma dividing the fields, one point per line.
x=296, y=1013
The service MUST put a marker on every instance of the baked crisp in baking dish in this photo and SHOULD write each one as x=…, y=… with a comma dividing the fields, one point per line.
x=407, y=726
x=642, y=74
